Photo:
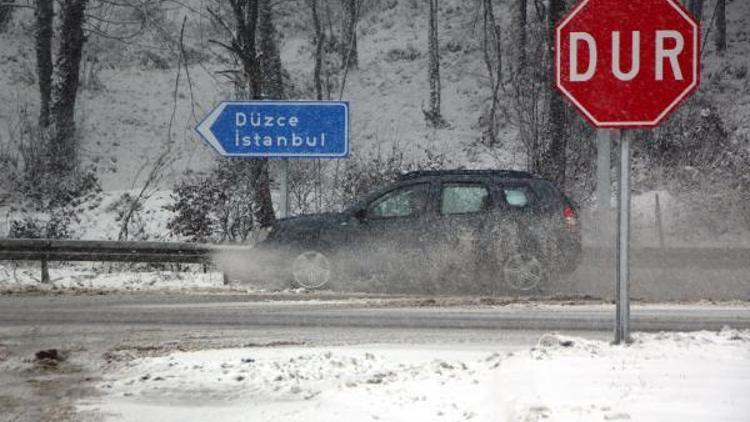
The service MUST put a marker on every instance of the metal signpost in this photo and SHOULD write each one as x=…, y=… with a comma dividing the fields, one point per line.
x=603, y=142
x=279, y=129
x=626, y=64
x=622, y=310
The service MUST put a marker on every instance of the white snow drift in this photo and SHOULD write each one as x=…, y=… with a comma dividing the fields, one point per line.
x=699, y=376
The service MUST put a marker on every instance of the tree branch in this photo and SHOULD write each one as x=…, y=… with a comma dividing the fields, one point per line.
x=232, y=49
x=25, y=6
x=161, y=162
x=215, y=15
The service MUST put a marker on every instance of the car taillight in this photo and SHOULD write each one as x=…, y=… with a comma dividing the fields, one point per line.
x=570, y=218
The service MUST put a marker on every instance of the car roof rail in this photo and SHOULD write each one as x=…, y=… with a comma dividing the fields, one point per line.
x=517, y=174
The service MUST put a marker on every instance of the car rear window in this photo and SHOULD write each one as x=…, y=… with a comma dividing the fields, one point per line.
x=517, y=197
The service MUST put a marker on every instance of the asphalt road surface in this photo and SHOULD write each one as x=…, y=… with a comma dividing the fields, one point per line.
x=322, y=312
x=92, y=330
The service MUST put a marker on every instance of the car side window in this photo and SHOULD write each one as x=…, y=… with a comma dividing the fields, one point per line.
x=462, y=198
x=404, y=202
x=517, y=196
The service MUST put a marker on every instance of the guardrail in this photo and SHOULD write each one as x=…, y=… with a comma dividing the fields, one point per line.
x=45, y=250
x=680, y=257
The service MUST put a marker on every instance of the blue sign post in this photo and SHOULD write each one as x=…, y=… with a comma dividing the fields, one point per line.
x=278, y=129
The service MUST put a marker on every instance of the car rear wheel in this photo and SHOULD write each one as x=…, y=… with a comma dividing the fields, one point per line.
x=524, y=272
x=312, y=269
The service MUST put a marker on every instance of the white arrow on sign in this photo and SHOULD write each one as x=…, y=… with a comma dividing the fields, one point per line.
x=204, y=128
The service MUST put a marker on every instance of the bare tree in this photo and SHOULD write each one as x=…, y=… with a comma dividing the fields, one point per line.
x=529, y=115
x=319, y=44
x=154, y=176
x=493, y=60
x=6, y=14
x=721, y=26
x=531, y=89
x=696, y=8
x=44, y=16
x=64, y=147
x=520, y=29
x=270, y=57
x=243, y=46
x=271, y=69
x=433, y=116
x=349, y=55
x=554, y=161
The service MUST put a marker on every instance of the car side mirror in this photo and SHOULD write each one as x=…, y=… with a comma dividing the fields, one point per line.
x=360, y=214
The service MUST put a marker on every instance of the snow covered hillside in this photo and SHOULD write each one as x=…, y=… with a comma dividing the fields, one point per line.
x=125, y=115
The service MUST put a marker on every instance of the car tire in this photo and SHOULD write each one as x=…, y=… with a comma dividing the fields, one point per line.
x=525, y=272
x=312, y=269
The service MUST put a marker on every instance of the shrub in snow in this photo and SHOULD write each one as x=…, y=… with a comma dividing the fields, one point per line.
x=55, y=226
x=41, y=203
x=127, y=207
x=696, y=160
x=409, y=54
x=216, y=207
x=316, y=186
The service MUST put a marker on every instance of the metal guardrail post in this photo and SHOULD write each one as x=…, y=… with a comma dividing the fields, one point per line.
x=45, y=271
x=657, y=216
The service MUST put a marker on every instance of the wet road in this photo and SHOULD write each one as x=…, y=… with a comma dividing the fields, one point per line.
x=244, y=311
x=91, y=329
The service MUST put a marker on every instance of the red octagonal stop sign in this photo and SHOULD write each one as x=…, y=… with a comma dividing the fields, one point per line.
x=627, y=63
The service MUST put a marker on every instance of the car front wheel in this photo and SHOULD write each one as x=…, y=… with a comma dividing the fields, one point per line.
x=312, y=269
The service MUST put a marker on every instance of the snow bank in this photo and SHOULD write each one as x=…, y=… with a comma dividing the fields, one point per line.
x=699, y=376
x=98, y=278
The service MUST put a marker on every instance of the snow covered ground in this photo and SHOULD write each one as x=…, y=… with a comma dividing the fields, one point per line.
x=96, y=277
x=701, y=376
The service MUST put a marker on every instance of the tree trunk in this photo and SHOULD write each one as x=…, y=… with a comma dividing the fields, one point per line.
x=246, y=15
x=349, y=56
x=273, y=86
x=319, y=44
x=270, y=57
x=492, y=52
x=521, y=33
x=432, y=114
x=721, y=26
x=64, y=146
x=696, y=8
x=261, y=185
x=44, y=14
x=244, y=44
x=555, y=158
x=6, y=15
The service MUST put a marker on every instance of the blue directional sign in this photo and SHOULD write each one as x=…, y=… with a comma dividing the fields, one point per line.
x=282, y=129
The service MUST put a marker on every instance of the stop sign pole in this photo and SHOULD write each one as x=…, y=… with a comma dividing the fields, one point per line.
x=622, y=309
x=626, y=64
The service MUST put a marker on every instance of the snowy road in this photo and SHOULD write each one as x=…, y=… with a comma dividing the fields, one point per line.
x=264, y=311
x=98, y=331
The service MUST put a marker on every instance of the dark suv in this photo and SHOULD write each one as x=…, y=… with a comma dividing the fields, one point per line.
x=468, y=228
